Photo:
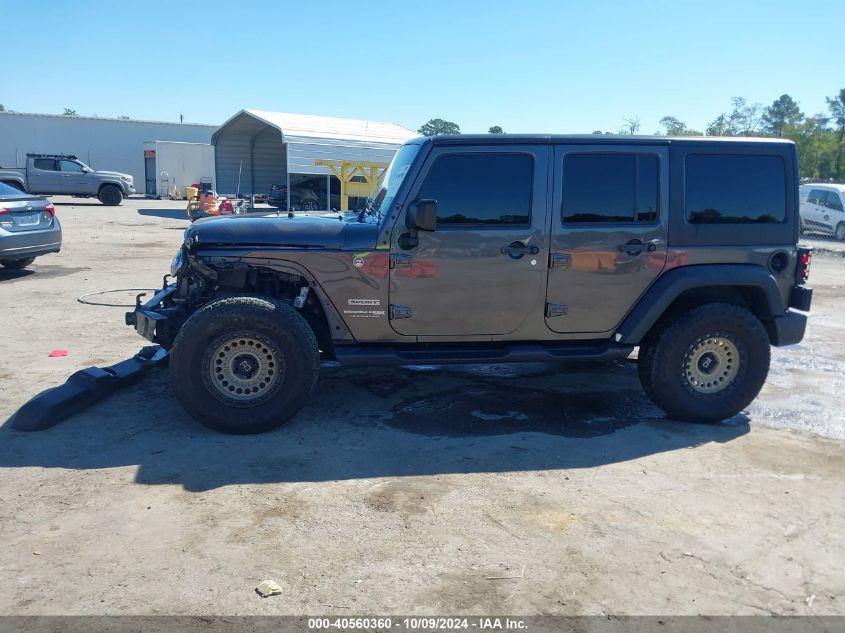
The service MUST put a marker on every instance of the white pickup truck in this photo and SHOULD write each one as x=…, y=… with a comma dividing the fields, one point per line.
x=51, y=174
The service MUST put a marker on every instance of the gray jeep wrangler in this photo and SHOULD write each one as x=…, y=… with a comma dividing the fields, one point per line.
x=495, y=249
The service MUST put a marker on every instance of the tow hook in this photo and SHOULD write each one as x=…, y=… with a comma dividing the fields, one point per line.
x=299, y=301
x=138, y=299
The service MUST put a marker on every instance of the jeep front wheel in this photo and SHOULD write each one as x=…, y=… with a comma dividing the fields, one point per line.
x=110, y=195
x=244, y=364
x=707, y=365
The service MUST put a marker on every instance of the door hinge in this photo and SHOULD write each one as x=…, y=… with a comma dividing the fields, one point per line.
x=556, y=309
x=400, y=260
x=399, y=312
x=560, y=260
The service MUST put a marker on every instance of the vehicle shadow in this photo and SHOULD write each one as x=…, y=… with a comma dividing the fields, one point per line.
x=173, y=214
x=384, y=422
x=7, y=274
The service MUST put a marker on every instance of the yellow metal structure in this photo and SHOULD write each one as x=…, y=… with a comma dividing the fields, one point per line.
x=346, y=170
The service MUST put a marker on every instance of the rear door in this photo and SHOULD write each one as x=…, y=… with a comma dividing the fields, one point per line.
x=608, y=233
x=44, y=176
x=481, y=272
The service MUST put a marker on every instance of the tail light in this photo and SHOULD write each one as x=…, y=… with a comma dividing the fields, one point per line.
x=4, y=210
x=50, y=209
x=802, y=268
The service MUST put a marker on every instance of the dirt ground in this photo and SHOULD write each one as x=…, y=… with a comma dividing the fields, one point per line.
x=410, y=491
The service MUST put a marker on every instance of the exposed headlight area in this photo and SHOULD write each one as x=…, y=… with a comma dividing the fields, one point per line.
x=178, y=262
x=126, y=178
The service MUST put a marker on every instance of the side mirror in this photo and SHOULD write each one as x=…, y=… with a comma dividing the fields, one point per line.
x=422, y=216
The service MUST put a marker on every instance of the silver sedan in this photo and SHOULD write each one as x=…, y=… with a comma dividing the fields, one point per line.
x=28, y=227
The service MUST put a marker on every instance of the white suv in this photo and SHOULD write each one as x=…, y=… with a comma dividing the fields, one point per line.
x=823, y=209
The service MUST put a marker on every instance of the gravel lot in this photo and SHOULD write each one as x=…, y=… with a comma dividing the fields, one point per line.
x=404, y=491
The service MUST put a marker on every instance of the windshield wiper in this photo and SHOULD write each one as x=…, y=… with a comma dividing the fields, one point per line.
x=369, y=209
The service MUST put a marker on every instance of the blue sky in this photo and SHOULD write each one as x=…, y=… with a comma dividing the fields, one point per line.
x=529, y=66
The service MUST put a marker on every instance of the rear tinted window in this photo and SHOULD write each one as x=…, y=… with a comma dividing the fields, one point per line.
x=473, y=189
x=609, y=188
x=44, y=163
x=8, y=190
x=735, y=189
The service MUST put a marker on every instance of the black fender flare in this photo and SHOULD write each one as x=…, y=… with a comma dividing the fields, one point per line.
x=671, y=284
x=337, y=326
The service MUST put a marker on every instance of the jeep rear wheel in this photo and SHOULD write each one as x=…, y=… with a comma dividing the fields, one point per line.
x=707, y=365
x=244, y=364
x=110, y=195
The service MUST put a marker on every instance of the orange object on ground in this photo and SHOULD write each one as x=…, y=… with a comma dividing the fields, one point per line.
x=209, y=203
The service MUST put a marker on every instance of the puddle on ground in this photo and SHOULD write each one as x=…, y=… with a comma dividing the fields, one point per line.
x=486, y=410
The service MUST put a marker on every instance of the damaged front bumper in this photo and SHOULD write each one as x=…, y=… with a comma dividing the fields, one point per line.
x=150, y=319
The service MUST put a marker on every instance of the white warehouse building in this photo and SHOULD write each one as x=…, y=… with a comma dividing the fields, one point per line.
x=303, y=155
x=255, y=150
x=103, y=144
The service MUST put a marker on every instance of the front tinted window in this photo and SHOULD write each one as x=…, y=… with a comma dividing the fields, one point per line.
x=735, y=189
x=610, y=188
x=47, y=164
x=815, y=195
x=481, y=188
x=69, y=165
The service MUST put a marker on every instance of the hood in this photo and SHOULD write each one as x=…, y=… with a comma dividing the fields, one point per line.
x=297, y=232
x=116, y=174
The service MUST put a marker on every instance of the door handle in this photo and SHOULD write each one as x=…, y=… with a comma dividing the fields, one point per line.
x=518, y=249
x=636, y=246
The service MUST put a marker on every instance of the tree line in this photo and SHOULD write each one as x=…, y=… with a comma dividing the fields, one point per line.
x=820, y=138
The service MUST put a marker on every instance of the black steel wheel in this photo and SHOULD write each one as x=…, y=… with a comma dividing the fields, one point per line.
x=244, y=364
x=706, y=364
x=110, y=195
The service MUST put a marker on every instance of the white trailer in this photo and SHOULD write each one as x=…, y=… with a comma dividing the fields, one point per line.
x=171, y=165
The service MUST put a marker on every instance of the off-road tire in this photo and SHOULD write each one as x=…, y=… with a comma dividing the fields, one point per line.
x=17, y=264
x=276, y=328
x=839, y=233
x=110, y=195
x=664, y=356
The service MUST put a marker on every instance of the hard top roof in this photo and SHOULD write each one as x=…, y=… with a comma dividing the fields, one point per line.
x=592, y=139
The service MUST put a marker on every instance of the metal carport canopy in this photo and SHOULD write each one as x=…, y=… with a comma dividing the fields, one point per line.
x=249, y=141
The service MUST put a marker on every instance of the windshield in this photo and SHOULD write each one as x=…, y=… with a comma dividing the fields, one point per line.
x=392, y=179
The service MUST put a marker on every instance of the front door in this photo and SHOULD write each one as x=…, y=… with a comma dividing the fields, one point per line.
x=74, y=179
x=608, y=233
x=480, y=273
